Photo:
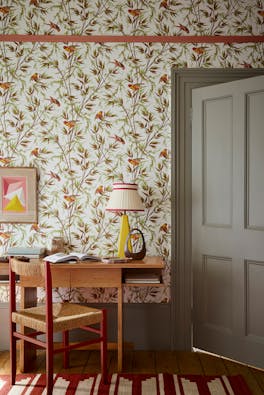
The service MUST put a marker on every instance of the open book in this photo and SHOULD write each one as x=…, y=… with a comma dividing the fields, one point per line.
x=60, y=257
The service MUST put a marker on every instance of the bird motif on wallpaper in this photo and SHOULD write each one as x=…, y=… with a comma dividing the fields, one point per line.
x=100, y=190
x=70, y=48
x=183, y=28
x=34, y=2
x=54, y=101
x=164, y=228
x=199, y=50
x=100, y=115
x=119, y=64
x=164, y=78
x=35, y=77
x=54, y=26
x=164, y=153
x=134, y=162
x=70, y=198
x=6, y=160
x=135, y=12
x=35, y=152
x=4, y=10
x=261, y=13
x=118, y=139
x=5, y=235
x=70, y=124
x=55, y=175
x=164, y=4
x=5, y=85
x=134, y=87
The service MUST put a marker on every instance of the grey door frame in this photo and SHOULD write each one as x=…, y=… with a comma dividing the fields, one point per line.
x=183, y=81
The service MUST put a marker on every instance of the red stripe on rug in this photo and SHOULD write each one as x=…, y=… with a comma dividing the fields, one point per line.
x=129, y=384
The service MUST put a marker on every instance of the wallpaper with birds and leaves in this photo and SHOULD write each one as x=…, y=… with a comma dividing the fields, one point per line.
x=88, y=114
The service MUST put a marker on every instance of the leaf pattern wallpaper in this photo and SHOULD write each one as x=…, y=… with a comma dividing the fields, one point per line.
x=90, y=114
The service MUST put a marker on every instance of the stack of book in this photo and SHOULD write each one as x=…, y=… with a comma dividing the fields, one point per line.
x=142, y=278
x=27, y=252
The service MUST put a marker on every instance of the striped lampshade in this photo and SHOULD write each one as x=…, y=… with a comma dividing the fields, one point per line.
x=124, y=197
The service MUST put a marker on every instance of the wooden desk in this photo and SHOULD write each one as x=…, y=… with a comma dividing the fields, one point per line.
x=86, y=274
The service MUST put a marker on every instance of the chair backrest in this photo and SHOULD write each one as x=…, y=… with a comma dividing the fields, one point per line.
x=27, y=268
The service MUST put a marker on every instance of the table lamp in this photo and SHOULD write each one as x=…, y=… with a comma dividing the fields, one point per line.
x=123, y=198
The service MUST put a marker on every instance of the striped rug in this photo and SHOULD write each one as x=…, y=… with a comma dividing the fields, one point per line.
x=126, y=384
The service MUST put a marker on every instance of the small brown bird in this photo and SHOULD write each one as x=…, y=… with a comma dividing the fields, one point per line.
x=5, y=85
x=5, y=161
x=199, y=50
x=70, y=48
x=164, y=4
x=35, y=152
x=119, y=64
x=54, y=26
x=164, y=78
x=164, y=228
x=54, y=101
x=55, y=175
x=164, y=153
x=183, y=28
x=34, y=2
x=4, y=10
x=100, y=189
x=261, y=12
x=135, y=12
x=35, y=77
x=5, y=235
x=134, y=87
x=134, y=162
x=100, y=115
x=118, y=139
x=35, y=227
x=69, y=124
x=70, y=198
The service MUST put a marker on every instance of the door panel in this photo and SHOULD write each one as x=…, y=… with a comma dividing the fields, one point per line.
x=228, y=219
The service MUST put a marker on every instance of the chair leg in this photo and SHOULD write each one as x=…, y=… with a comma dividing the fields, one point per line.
x=49, y=366
x=13, y=354
x=65, y=337
x=104, y=348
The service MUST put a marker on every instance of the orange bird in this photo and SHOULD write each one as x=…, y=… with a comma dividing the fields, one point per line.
x=134, y=87
x=35, y=227
x=69, y=124
x=164, y=153
x=5, y=161
x=33, y=2
x=70, y=198
x=100, y=189
x=5, y=235
x=54, y=101
x=35, y=152
x=199, y=50
x=4, y=10
x=164, y=4
x=99, y=115
x=261, y=12
x=135, y=13
x=164, y=78
x=134, y=162
x=5, y=85
x=164, y=228
x=70, y=48
x=34, y=77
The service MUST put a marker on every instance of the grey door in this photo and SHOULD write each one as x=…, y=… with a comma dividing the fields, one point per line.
x=228, y=219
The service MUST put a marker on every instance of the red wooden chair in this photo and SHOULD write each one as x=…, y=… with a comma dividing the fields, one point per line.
x=51, y=318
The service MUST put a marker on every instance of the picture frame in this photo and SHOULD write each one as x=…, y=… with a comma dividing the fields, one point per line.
x=18, y=195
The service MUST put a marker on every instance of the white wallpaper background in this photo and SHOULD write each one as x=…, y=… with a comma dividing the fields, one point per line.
x=89, y=114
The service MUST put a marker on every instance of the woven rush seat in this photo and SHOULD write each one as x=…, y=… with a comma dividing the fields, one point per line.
x=66, y=316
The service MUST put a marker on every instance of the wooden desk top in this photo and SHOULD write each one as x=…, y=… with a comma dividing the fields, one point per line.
x=149, y=262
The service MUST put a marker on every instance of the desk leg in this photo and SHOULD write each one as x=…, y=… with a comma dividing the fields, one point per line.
x=120, y=329
x=27, y=352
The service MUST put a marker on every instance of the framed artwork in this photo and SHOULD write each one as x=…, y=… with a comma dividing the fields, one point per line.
x=18, y=195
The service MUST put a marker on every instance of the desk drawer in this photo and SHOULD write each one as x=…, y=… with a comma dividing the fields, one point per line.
x=95, y=277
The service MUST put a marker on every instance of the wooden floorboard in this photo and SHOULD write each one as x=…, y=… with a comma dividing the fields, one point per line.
x=177, y=362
